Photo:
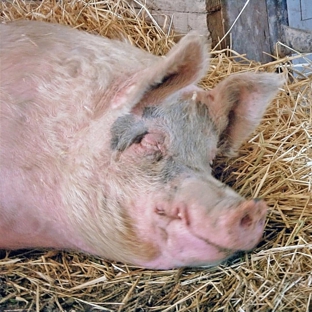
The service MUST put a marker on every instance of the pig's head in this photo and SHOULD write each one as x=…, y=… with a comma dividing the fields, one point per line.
x=165, y=134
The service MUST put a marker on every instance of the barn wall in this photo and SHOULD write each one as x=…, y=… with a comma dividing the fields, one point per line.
x=255, y=32
x=180, y=15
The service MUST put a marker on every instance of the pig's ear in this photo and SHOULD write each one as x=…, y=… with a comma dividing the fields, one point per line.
x=237, y=105
x=185, y=64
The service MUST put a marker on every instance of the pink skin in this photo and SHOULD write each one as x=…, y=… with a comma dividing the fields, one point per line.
x=88, y=163
x=182, y=238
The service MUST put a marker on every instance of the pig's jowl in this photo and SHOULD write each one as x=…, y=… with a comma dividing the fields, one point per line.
x=106, y=148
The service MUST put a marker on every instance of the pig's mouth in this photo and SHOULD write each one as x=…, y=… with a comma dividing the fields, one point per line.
x=224, y=250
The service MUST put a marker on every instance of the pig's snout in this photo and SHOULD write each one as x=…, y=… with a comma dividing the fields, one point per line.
x=221, y=218
x=203, y=224
x=249, y=220
x=243, y=225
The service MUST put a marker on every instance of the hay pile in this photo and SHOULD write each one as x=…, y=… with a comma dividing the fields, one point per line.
x=275, y=164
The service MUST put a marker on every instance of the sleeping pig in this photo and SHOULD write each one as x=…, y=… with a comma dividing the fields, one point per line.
x=106, y=148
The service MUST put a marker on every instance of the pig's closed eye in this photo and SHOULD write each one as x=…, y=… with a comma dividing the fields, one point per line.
x=138, y=139
x=126, y=131
x=150, y=145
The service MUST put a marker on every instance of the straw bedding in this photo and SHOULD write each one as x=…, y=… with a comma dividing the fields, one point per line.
x=276, y=164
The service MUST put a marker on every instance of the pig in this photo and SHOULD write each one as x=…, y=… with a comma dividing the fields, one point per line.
x=107, y=149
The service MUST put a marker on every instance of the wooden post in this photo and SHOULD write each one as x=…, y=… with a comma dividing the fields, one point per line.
x=250, y=34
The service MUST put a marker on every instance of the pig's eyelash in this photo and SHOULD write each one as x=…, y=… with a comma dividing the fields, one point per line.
x=138, y=139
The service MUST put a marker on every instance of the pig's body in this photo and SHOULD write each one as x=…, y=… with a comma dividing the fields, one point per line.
x=106, y=148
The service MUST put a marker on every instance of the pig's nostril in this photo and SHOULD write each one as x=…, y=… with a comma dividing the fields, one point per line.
x=246, y=221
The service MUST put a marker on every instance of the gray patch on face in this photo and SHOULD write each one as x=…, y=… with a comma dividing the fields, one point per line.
x=126, y=131
x=192, y=133
x=150, y=112
x=170, y=170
